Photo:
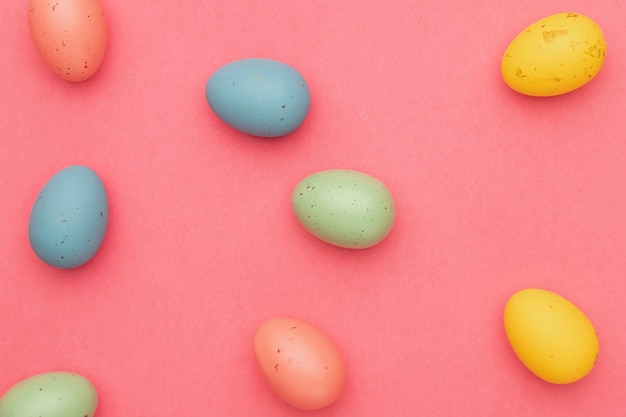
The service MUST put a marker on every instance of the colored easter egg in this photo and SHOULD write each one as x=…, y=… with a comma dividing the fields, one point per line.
x=69, y=218
x=260, y=97
x=299, y=363
x=50, y=394
x=550, y=335
x=555, y=55
x=345, y=208
x=70, y=36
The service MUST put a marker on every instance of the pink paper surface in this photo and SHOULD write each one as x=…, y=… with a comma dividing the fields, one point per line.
x=495, y=192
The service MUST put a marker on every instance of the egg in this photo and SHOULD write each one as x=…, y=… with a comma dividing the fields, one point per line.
x=555, y=55
x=50, y=394
x=299, y=363
x=344, y=207
x=69, y=217
x=70, y=36
x=550, y=335
x=258, y=96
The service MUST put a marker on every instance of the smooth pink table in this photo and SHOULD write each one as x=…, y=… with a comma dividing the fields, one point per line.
x=495, y=192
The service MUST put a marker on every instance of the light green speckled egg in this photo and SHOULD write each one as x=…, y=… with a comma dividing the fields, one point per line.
x=344, y=207
x=51, y=394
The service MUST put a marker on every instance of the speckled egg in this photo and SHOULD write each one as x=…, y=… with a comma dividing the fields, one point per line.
x=550, y=335
x=69, y=218
x=555, y=55
x=70, y=36
x=344, y=207
x=258, y=96
x=50, y=394
x=300, y=364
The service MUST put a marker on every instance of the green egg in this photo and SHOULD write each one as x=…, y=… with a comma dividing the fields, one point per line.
x=344, y=207
x=51, y=394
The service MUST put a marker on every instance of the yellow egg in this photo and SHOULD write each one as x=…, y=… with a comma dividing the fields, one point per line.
x=550, y=335
x=554, y=55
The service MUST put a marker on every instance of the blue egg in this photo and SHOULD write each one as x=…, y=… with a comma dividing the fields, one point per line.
x=69, y=218
x=260, y=97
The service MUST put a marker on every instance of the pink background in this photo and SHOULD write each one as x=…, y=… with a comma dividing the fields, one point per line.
x=495, y=192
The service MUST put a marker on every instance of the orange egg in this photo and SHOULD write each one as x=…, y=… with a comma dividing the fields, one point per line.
x=300, y=364
x=70, y=35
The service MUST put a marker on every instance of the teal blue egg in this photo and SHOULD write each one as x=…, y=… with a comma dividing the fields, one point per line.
x=260, y=97
x=69, y=218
